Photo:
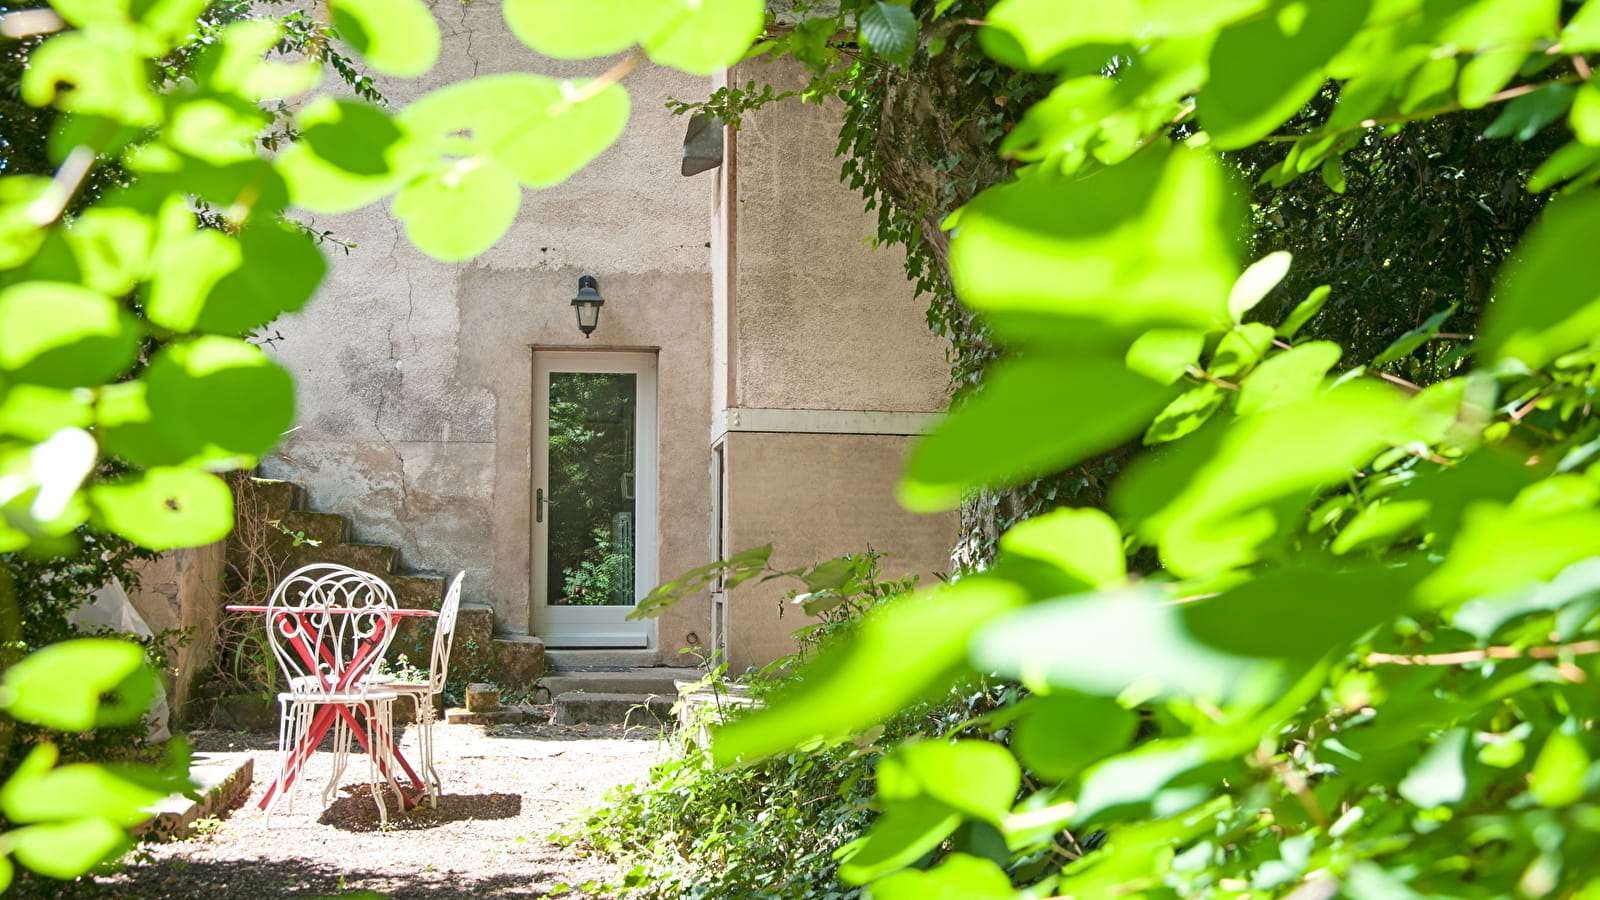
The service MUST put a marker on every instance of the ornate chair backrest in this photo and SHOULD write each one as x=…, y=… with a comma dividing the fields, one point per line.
x=444, y=634
x=320, y=650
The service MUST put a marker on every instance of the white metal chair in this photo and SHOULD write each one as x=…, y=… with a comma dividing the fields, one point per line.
x=325, y=657
x=423, y=693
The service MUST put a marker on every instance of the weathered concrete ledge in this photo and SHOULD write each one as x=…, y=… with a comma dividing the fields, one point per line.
x=224, y=780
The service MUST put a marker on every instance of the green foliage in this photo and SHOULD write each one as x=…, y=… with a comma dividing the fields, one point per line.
x=1347, y=620
x=146, y=226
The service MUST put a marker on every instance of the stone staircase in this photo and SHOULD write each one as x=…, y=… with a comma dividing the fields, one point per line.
x=621, y=687
x=515, y=662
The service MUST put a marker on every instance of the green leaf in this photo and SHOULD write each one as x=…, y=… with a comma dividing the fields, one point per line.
x=1333, y=174
x=166, y=508
x=20, y=235
x=575, y=29
x=1381, y=524
x=906, y=832
x=62, y=335
x=81, y=684
x=1257, y=281
x=240, y=63
x=1528, y=114
x=460, y=212
x=1084, y=543
x=207, y=281
x=1582, y=32
x=957, y=877
x=1329, y=610
x=1558, y=772
x=111, y=247
x=93, y=73
x=67, y=849
x=1293, y=376
x=214, y=129
x=217, y=393
x=1440, y=777
x=35, y=413
x=1303, y=312
x=1017, y=427
x=357, y=138
x=552, y=142
x=1060, y=734
x=1184, y=415
x=977, y=779
x=1501, y=547
x=708, y=36
x=1576, y=588
x=1207, y=509
x=80, y=790
x=1106, y=643
x=1033, y=34
x=1240, y=349
x=1017, y=250
x=397, y=37
x=889, y=30
x=910, y=647
x=1545, y=304
x=1165, y=354
x=1409, y=342
x=1265, y=69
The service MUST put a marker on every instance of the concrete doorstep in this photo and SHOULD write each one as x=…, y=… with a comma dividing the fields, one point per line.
x=223, y=779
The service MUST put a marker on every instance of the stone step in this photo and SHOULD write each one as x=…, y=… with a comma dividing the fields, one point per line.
x=379, y=559
x=585, y=708
x=472, y=654
x=276, y=498
x=223, y=780
x=599, y=660
x=519, y=660
x=324, y=528
x=645, y=680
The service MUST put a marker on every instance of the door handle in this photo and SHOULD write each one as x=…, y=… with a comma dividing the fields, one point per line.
x=538, y=505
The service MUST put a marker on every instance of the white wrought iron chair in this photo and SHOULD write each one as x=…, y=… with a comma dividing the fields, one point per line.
x=325, y=658
x=423, y=693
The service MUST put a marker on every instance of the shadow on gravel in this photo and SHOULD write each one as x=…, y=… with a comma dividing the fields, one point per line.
x=260, y=880
x=356, y=812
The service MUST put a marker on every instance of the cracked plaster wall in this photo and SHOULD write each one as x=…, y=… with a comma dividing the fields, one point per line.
x=414, y=376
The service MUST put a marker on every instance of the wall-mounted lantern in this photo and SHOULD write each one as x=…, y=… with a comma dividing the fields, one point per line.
x=588, y=303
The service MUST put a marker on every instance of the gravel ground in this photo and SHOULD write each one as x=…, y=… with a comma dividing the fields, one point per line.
x=506, y=790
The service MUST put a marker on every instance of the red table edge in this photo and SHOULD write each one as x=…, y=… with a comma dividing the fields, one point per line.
x=379, y=610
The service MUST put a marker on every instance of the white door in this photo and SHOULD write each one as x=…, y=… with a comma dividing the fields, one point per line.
x=594, y=496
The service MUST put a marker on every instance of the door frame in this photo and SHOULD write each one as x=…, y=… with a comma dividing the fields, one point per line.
x=595, y=626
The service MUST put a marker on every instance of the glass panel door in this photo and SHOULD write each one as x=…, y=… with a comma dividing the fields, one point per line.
x=594, y=496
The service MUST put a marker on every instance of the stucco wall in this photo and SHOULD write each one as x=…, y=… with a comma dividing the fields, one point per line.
x=814, y=497
x=182, y=589
x=821, y=320
x=415, y=376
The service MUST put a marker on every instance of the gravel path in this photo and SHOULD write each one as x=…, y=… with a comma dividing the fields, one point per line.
x=506, y=790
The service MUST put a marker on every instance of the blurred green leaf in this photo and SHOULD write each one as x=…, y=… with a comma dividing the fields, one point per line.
x=575, y=29
x=907, y=649
x=1165, y=354
x=1014, y=252
x=1257, y=281
x=1292, y=376
x=957, y=877
x=1440, y=777
x=1084, y=543
x=1329, y=610
x=460, y=212
x=1557, y=778
x=1010, y=431
x=396, y=37
x=222, y=393
x=1104, y=644
x=63, y=335
x=1303, y=313
x=166, y=508
x=705, y=37
x=78, y=685
x=1184, y=415
x=1264, y=69
x=66, y=849
x=1544, y=304
x=1059, y=734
